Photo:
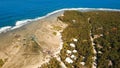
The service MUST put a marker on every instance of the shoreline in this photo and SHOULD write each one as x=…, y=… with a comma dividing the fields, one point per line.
x=16, y=44
x=25, y=22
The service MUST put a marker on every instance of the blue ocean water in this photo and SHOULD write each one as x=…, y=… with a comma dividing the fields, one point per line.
x=14, y=10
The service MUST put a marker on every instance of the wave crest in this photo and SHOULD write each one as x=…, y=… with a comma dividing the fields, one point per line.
x=5, y=29
x=24, y=22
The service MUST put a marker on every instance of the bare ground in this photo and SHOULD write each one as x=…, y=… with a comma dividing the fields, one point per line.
x=31, y=45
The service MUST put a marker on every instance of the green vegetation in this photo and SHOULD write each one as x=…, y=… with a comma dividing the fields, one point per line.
x=101, y=22
x=79, y=29
x=1, y=63
x=105, y=29
x=54, y=33
x=108, y=24
x=58, y=28
x=53, y=63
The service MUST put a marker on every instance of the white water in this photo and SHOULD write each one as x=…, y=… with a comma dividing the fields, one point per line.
x=5, y=29
x=24, y=22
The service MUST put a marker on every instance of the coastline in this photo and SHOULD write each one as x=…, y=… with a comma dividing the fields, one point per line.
x=16, y=44
x=22, y=23
x=42, y=29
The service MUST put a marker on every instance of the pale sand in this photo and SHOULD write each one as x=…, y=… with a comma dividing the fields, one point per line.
x=15, y=46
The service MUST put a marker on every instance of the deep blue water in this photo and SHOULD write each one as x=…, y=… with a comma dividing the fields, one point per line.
x=14, y=10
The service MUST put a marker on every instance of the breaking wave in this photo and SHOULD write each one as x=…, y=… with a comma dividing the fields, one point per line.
x=24, y=22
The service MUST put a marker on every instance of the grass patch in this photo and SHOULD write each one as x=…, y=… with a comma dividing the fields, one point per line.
x=54, y=33
x=53, y=63
x=1, y=63
x=57, y=28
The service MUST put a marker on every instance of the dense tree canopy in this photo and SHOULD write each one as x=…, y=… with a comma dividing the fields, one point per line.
x=105, y=29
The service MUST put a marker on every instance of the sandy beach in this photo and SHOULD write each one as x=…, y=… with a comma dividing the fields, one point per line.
x=33, y=44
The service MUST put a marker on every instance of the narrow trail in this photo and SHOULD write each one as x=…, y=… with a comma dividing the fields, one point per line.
x=61, y=63
x=93, y=45
x=94, y=50
x=57, y=55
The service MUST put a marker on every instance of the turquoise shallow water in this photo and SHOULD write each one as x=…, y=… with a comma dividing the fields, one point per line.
x=12, y=11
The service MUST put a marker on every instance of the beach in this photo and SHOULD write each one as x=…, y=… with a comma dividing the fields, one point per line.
x=33, y=44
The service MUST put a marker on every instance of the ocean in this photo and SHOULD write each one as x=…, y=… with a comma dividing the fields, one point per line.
x=18, y=12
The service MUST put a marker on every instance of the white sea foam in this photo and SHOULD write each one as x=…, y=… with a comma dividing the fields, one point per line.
x=21, y=23
x=24, y=22
x=5, y=29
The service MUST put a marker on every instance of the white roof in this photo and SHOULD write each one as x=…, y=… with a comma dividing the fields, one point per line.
x=74, y=51
x=75, y=40
x=99, y=52
x=74, y=21
x=69, y=60
x=72, y=56
x=83, y=57
x=68, y=51
x=83, y=63
x=101, y=34
x=72, y=44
